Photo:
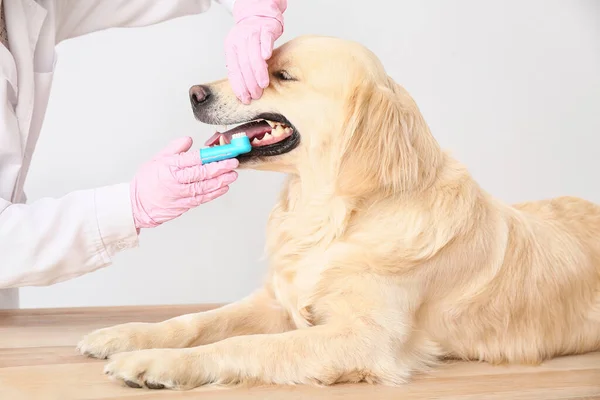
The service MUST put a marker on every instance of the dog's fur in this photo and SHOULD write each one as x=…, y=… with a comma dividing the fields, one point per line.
x=385, y=254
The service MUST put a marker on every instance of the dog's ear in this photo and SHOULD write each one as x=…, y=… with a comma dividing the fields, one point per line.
x=386, y=142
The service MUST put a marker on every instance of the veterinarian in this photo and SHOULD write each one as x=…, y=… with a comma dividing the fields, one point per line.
x=53, y=240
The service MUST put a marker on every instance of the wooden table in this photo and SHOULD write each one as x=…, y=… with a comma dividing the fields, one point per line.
x=38, y=361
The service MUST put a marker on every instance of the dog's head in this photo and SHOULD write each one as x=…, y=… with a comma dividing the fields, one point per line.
x=330, y=111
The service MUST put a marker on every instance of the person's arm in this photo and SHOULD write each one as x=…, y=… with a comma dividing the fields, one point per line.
x=249, y=44
x=80, y=17
x=52, y=240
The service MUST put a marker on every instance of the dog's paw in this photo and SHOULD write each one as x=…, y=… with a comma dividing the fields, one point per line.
x=155, y=369
x=116, y=339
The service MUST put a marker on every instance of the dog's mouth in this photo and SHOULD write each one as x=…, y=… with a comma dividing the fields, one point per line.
x=269, y=134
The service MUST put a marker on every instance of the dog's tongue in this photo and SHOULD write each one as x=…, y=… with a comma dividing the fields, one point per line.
x=252, y=129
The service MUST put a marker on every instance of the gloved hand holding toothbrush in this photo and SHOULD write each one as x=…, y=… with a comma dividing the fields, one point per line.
x=175, y=181
x=258, y=24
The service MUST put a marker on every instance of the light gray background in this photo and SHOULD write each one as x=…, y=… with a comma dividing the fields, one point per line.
x=511, y=87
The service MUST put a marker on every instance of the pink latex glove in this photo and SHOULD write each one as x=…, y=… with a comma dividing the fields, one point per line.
x=258, y=24
x=175, y=181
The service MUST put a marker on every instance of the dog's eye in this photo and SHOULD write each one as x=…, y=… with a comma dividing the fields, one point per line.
x=283, y=75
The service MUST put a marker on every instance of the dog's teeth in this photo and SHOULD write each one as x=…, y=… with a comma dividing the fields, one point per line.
x=278, y=131
x=271, y=123
x=288, y=130
x=267, y=136
x=221, y=140
x=256, y=141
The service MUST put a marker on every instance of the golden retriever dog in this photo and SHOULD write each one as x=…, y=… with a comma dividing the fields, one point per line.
x=386, y=257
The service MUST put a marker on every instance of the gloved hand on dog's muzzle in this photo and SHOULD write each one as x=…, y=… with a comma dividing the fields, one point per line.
x=258, y=24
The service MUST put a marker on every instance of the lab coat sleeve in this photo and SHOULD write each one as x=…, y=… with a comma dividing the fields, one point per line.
x=52, y=240
x=79, y=17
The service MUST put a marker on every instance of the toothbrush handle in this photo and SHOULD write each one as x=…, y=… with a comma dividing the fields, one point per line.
x=210, y=158
x=231, y=150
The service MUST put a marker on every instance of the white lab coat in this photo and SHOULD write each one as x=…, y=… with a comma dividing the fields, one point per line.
x=52, y=240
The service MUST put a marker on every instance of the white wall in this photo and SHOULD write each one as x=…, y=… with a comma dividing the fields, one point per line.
x=512, y=87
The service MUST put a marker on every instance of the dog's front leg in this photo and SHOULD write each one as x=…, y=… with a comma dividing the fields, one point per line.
x=318, y=355
x=259, y=313
x=367, y=337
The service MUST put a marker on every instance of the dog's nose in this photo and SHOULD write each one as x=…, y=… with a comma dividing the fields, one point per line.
x=199, y=94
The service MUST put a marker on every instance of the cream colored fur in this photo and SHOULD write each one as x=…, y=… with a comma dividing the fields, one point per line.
x=385, y=255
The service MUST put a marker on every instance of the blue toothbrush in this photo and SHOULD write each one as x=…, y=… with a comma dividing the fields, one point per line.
x=240, y=144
